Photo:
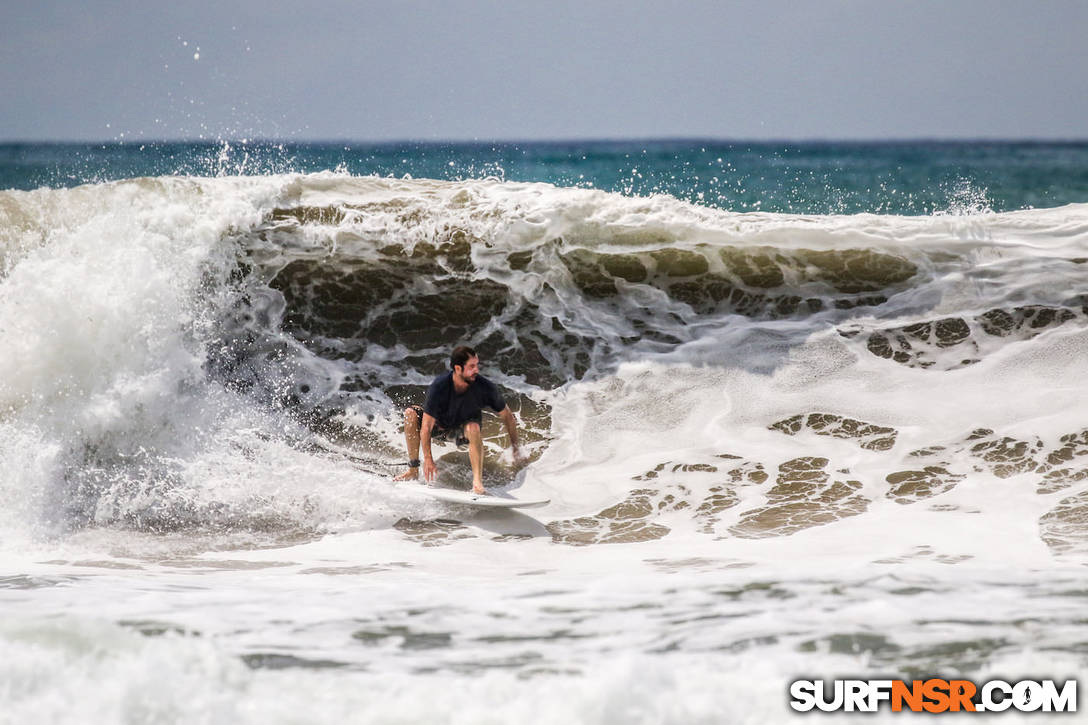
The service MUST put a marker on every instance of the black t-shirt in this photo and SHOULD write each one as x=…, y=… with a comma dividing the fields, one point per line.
x=451, y=409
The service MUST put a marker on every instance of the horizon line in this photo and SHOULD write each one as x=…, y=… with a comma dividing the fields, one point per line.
x=590, y=140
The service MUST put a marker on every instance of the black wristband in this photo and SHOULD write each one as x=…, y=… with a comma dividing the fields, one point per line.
x=414, y=463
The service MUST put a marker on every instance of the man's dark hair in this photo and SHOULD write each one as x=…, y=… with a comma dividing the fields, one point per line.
x=461, y=355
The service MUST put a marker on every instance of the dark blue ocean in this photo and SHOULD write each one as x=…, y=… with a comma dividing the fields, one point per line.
x=908, y=177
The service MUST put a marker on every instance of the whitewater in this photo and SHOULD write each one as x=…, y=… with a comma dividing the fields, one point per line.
x=776, y=446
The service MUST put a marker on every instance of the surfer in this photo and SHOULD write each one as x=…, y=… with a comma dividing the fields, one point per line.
x=455, y=402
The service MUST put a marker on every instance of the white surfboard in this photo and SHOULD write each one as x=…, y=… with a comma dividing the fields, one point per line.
x=494, y=499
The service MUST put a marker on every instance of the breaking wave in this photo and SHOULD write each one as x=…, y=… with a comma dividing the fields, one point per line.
x=230, y=355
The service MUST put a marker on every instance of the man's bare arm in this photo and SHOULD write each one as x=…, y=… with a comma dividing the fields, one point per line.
x=511, y=429
x=430, y=470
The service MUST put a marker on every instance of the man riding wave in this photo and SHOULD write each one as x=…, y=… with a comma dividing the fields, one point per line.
x=453, y=409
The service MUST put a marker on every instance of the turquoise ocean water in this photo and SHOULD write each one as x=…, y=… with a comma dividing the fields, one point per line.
x=803, y=178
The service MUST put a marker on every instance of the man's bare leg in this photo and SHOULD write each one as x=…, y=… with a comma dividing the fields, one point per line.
x=476, y=455
x=411, y=439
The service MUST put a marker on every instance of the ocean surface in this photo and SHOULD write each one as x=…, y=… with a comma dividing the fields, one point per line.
x=801, y=411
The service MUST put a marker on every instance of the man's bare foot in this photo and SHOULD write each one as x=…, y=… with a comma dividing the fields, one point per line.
x=478, y=489
x=410, y=475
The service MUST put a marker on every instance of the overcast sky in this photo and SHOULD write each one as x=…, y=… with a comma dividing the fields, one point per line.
x=513, y=70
